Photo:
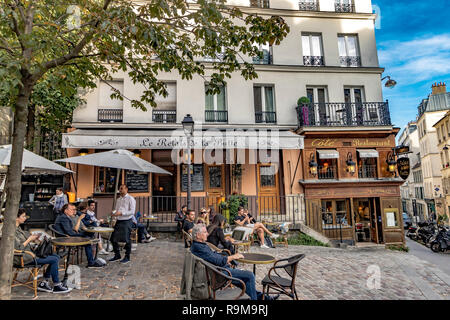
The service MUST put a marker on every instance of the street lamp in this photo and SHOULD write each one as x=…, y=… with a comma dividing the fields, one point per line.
x=351, y=165
x=312, y=165
x=390, y=83
x=391, y=162
x=188, y=127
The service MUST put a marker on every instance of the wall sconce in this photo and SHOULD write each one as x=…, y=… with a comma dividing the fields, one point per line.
x=137, y=153
x=313, y=165
x=391, y=162
x=351, y=165
x=161, y=188
x=83, y=152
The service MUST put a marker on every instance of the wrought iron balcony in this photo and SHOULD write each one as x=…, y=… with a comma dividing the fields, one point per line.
x=367, y=171
x=110, y=115
x=308, y=6
x=216, y=116
x=350, y=61
x=313, y=61
x=265, y=117
x=344, y=7
x=344, y=114
x=326, y=172
x=164, y=116
x=260, y=3
x=266, y=59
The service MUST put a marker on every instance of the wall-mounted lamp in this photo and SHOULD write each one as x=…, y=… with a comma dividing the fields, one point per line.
x=161, y=188
x=313, y=165
x=83, y=152
x=351, y=165
x=391, y=162
x=137, y=153
x=390, y=83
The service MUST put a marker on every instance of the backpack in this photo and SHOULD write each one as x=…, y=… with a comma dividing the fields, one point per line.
x=268, y=242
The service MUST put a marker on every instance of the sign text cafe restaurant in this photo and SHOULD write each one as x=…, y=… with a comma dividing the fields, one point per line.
x=257, y=163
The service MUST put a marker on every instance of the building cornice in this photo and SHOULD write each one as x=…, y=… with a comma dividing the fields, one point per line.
x=174, y=126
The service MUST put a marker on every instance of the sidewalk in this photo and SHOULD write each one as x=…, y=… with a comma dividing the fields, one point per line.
x=325, y=273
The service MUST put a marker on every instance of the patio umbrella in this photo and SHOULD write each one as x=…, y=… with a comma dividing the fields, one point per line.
x=119, y=159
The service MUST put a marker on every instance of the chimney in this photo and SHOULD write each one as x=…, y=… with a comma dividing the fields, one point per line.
x=437, y=88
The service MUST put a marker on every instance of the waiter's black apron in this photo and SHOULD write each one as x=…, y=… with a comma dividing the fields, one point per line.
x=122, y=231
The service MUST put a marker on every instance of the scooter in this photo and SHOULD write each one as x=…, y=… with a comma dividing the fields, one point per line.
x=426, y=231
x=440, y=242
x=412, y=233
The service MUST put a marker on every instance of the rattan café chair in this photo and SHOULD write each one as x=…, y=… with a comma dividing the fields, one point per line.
x=33, y=268
x=277, y=283
x=187, y=238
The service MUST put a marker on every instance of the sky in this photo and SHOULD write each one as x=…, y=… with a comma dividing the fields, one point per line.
x=413, y=41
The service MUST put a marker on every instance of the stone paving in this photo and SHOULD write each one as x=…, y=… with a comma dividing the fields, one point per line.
x=325, y=273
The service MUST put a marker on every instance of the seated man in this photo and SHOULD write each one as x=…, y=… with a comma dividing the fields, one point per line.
x=143, y=235
x=201, y=250
x=188, y=223
x=245, y=219
x=64, y=225
x=180, y=216
x=82, y=220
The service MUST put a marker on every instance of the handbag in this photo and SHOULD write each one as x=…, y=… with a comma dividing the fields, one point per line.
x=268, y=242
x=44, y=249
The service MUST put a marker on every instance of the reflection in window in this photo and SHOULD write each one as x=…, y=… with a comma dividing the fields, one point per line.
x=267, y=176
x=215, y=177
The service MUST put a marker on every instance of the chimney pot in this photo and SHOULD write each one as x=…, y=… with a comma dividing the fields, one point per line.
x=438, y=88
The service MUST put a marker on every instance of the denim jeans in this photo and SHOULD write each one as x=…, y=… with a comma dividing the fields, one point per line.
x=249, y=279
x=52, y=269
x=142, y=231
x=89, y=255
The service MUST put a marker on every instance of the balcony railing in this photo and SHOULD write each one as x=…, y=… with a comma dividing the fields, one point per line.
x=313, y=61
x=350, y=61
x=332, y=114
x=308, y=6
x=110, y=115
x=266, y=59
x=265, y=117
x=216, y=116
x=326, y=172
x=344, y=7
x=164, y=116
x=260, y=3
x=367, y=172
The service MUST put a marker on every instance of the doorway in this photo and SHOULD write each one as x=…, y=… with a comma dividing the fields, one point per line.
x=365, y=226
x=268, y=189
x=163, y=192
x=215, y=185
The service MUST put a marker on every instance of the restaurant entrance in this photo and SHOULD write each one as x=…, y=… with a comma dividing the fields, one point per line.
x=367, y=215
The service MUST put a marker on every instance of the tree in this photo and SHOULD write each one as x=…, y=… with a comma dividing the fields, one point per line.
x=91, y=39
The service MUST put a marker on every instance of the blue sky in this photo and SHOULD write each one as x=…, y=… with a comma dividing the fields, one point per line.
x=413, y=42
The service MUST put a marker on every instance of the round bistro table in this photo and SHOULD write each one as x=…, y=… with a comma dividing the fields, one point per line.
x=99, y=230
x=149, y=219
x=256, y=258
x=70, y=242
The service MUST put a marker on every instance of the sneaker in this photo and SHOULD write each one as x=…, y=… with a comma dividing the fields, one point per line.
x=151, y=239
x=103, y=252
x=61, y=289
x=275, y=236
x=115, y=258
x=271, y=298
x=95, y=265
x=263, y=246
x=125, y=260
x=45, y=286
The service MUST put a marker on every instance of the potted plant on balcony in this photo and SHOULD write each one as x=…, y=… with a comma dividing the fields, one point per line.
x=302, y=104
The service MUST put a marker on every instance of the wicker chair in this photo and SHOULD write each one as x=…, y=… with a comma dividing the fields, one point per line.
x=214, y=248
x=279, y=284
x=187, y=238
x=33, y=268
x=77, y=250
x=219, y=284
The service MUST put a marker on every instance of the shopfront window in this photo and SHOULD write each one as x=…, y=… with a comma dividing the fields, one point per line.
x=105, y=180
x=215, y=177
x=335, y=212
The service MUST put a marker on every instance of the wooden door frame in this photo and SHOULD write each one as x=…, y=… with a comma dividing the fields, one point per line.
x=207, y=188
x=258, y=179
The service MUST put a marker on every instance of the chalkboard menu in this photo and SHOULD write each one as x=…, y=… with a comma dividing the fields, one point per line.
x=196, y=177
x=136, y=182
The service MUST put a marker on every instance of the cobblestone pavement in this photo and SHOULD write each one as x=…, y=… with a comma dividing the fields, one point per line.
x=324, y=273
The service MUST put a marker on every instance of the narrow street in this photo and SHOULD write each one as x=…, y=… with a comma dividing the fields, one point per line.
x=441, y=260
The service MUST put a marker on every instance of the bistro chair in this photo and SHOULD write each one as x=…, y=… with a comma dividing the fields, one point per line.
x=279, y=284
x=241, y=237
x=33, y=268
x=187, y=238
x=216, y=249
x=77, y=251
x=219, y=284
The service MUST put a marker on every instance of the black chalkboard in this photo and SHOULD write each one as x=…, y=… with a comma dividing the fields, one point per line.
x=196, y=178
x=136, y=182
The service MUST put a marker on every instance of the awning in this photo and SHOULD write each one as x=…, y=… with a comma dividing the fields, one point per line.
x=367, y=153
x=328, y=154
x=176, y=139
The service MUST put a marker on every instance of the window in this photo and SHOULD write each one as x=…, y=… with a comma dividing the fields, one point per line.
x=215, y=101
x=349, y=51
x=344, y=6
x=264, y=103
x=266, y=51
x=308, y=5
x=335, y=212
x=260, y=3
x=169, y=102
x=360, y=115
x=105, y=179
x=106, y=89
x=318, y=97
x=312, y=50
x=215, y=177
x=218, y=57
x=267, y=176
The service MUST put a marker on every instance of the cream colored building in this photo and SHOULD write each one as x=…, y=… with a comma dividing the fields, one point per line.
x=443, y=133
x=431, y=110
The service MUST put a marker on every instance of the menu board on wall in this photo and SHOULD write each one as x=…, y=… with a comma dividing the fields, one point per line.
x=196, y=177
x=136, y=182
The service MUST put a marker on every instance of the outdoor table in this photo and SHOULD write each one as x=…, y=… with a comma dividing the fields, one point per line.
x=99, y=230
x=151, y=218
x=256, y=258
x=70, y=242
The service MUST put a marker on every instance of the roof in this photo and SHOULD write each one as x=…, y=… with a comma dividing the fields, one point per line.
x=445, y=116
x=435, y=102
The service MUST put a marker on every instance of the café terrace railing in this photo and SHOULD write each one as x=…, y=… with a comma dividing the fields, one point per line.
x=368, y=114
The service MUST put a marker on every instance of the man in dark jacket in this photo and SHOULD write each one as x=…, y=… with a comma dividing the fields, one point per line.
x=64, y=225
x=201, y=250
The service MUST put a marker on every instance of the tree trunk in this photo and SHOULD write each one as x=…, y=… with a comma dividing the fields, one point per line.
x=14, y=178
x=31, y=129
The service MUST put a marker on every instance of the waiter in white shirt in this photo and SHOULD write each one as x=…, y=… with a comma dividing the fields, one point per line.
x=125, y=209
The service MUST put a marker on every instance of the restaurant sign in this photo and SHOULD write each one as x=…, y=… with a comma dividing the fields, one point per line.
x=403, y=167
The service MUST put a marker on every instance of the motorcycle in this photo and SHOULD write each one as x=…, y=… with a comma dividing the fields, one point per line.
x=412, y=233
x=440, y=242
x=426, y=231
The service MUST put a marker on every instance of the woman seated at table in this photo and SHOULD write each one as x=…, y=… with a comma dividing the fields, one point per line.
x=216, y=235
x=203, y=217
x=22, y=242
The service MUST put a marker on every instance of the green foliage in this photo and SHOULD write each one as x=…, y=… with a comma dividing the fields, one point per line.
x=397, y=248
x=303, y=100
x=442, y=218
x=234, y=202
x=304, y=240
